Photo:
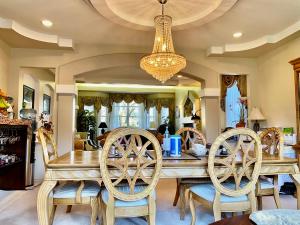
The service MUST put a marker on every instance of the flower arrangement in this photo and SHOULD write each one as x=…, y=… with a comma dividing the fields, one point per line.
x=243, y=110
x=46, y=123
x=4, y=105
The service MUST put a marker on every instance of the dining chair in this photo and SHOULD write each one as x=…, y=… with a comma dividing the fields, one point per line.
x=272, y=145
x=189, y=136
x=133, y=166
x=68, y=193
x=233, y=176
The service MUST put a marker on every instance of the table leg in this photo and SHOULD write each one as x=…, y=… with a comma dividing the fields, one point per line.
x=43, y=202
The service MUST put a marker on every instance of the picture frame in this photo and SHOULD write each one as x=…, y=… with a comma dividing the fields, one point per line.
x=28, y=97
x=46, y=104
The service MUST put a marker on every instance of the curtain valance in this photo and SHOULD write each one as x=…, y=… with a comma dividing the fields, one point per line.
x=108, y=101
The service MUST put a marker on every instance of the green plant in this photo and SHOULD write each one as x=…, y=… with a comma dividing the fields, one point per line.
x=85, y=119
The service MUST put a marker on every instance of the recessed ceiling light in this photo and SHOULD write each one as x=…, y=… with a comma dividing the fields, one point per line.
x=237, y=34
x=47, y=23
x=179, y=76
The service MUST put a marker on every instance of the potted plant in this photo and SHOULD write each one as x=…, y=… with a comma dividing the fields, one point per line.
x=243, y=110
x=85, y=120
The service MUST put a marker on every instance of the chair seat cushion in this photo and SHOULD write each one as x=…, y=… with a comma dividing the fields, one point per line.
x=69, y=190
x=125, y=189
x=265, y=184
x=208, y=191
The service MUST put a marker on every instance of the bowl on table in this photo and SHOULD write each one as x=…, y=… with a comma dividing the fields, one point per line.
x=199, y=149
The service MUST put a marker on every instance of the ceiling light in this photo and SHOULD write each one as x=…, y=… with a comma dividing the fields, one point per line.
x=237, y=34
x=47, y=23
x=167, y=62
x=179, y=76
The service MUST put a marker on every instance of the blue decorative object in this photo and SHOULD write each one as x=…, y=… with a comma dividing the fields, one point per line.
x=175, y=146
x=276, y=216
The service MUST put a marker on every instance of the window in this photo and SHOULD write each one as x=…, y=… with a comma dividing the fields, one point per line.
x=89, y=108
x=127, y=114
x=152, y=118
x=103, y=113
x=233, y=106
x=46, y=104
x=164, y=115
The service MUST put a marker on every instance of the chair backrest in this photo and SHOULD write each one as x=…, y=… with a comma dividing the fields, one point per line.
x=190, y=136
x=242, y=163
x=48, y=145
x=125, y=140
x=272, y=141
x=132, y=165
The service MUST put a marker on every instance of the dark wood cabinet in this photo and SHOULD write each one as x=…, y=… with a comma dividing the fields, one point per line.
x=13, y=156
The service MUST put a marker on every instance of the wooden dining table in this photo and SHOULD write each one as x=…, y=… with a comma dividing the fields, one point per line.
x=84, y=165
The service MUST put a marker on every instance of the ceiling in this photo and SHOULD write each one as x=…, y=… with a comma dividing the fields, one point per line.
x=81, y=22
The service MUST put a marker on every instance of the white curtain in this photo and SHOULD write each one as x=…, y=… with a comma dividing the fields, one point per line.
x=114, y=117
x=232, y=107
x=142, y=116
x=152, y=118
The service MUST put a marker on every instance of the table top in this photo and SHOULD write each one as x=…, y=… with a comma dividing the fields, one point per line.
x=244, y=220
x=90, y=159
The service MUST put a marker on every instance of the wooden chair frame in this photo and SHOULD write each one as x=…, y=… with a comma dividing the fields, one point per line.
x=231, y=170
x=270, y=137
x=45, y=137
x=131, y=172
x=184, y=183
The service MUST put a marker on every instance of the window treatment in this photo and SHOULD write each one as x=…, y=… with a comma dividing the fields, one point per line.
x=112, y=98
x=233, y=110
x=228, y=81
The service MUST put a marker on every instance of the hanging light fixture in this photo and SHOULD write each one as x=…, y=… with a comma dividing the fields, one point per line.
x=163, y=62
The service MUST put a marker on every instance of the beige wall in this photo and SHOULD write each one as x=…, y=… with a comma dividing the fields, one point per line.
x=42, y=81
x=4, y=65
x=274, y=85
x=89, y=58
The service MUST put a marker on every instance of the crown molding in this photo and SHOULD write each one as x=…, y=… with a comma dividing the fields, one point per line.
x=34, y=35
x=267, y=39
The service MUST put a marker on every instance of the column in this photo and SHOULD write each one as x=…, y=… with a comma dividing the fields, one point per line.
x=66, y=95
x=210, y=113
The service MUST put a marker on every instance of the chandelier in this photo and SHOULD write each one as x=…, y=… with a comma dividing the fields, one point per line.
x=163, y=62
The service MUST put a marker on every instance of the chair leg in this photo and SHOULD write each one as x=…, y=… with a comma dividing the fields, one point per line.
x=298, y=195
x=216, y=206
x=253, y=201
x=152, y=210
x=95, y=207
x=182, y=200
x=259, y=202
x=276, y=192
x=192, y=208
x=177, y=192
x=103, y=212
x=110, y=211
x=69, y=208
x=277, y=198
x=217, y=213
x=52, y=213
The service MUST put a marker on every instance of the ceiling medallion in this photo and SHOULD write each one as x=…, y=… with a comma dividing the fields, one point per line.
x=163, y=62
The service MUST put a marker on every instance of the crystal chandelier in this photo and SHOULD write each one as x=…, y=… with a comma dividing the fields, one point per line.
x=163, y=62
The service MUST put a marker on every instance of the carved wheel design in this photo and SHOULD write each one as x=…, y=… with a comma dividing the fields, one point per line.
x=242, y=162
x=271, y=138
x=131, y=164
x=190, y=136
